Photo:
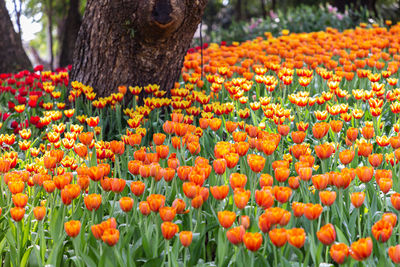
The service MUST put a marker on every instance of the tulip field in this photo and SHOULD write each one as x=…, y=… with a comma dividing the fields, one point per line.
x=278, y=151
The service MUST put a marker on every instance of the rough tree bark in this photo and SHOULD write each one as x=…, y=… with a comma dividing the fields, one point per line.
x=129, y=42
x=49, y=13
x=69, y=33
x=238, y=10
x=263, y=10
x=12, y=55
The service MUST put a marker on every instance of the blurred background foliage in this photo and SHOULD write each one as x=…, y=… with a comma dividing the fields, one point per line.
x=239, y=20
x=223, y=20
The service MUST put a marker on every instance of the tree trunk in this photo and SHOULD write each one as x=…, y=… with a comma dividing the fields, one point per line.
x=134, y=42
x=69, y=33
x=12, y=54
x=49, y=12
x=273, y=7
x=263, y=10
x=238, y=10
x=18, y=9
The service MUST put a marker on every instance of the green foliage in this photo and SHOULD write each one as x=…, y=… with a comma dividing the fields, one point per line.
x=299, y=19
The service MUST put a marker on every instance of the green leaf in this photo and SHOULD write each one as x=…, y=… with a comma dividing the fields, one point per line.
x=25, y=258
x=13, y=250
x=340, y=236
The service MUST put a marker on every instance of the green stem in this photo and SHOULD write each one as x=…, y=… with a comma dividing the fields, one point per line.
x=113, y=205
x=359, y=223
x=275, y=257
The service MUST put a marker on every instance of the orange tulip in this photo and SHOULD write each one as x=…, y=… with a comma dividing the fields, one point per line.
x=155, y=202
x=86, y=138
x=4, y=166
x=395, y=199
x=231, y=126
x=382, y=230
x=296, y=237
x=252, y=241
x=17, y=213
x=280, y=164
x=294, y=182
x=179, y=206
x=244, y=221
x=50, y=162
x=282, y=194
x=16, y=187
x=301, y=164
x=126, y=204
x=336, y=126
x=327, y=234
x=342, y=180
x=346, y=156
x=256, y=162
x=385, y=184
x=237, y=180
x=327, y=197
x=219, y=166
x=117, y=147
x=278, y=237
x=235, y=235
x=242, y=148
x=324, y=151
x=95, y=173
x=110, y=236
x=266, y=180
x=298, y=209
x=283, y=129
x=390, y=218
x=395, y=142
x=158, y=138
x=226, y=218
x=231, y=159
x=320, y=129
x=357, y=199
x=264, y=198
x=368, y=132
x=264, y=223
x=190, y=189
x=167, y=214
x=239, y=136
x=186, y=238
x=365, y=149
x=39, y=212
x=137, y=188
x=169, y=230
x=365, y=173
x=282, y=174
x=162, y=151
x=241, y=198
x=144, y=208
x=72, y=228
x=219, y=192
x=117, y=185
x=20, y=200
x=305, y=173
x=312, y=211
x=320, y=181
x=339, y=252
x=309, y=159
x=375, y=159
x=361, y=249
x=394, y=253
x=93, y=201
x=274, y=215
x=298, y=137
x=352, y=134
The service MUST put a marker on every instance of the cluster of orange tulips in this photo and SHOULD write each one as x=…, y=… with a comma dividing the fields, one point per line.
x=296, y=137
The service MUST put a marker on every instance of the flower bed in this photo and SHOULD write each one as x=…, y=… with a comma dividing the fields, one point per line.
x=285, y=152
